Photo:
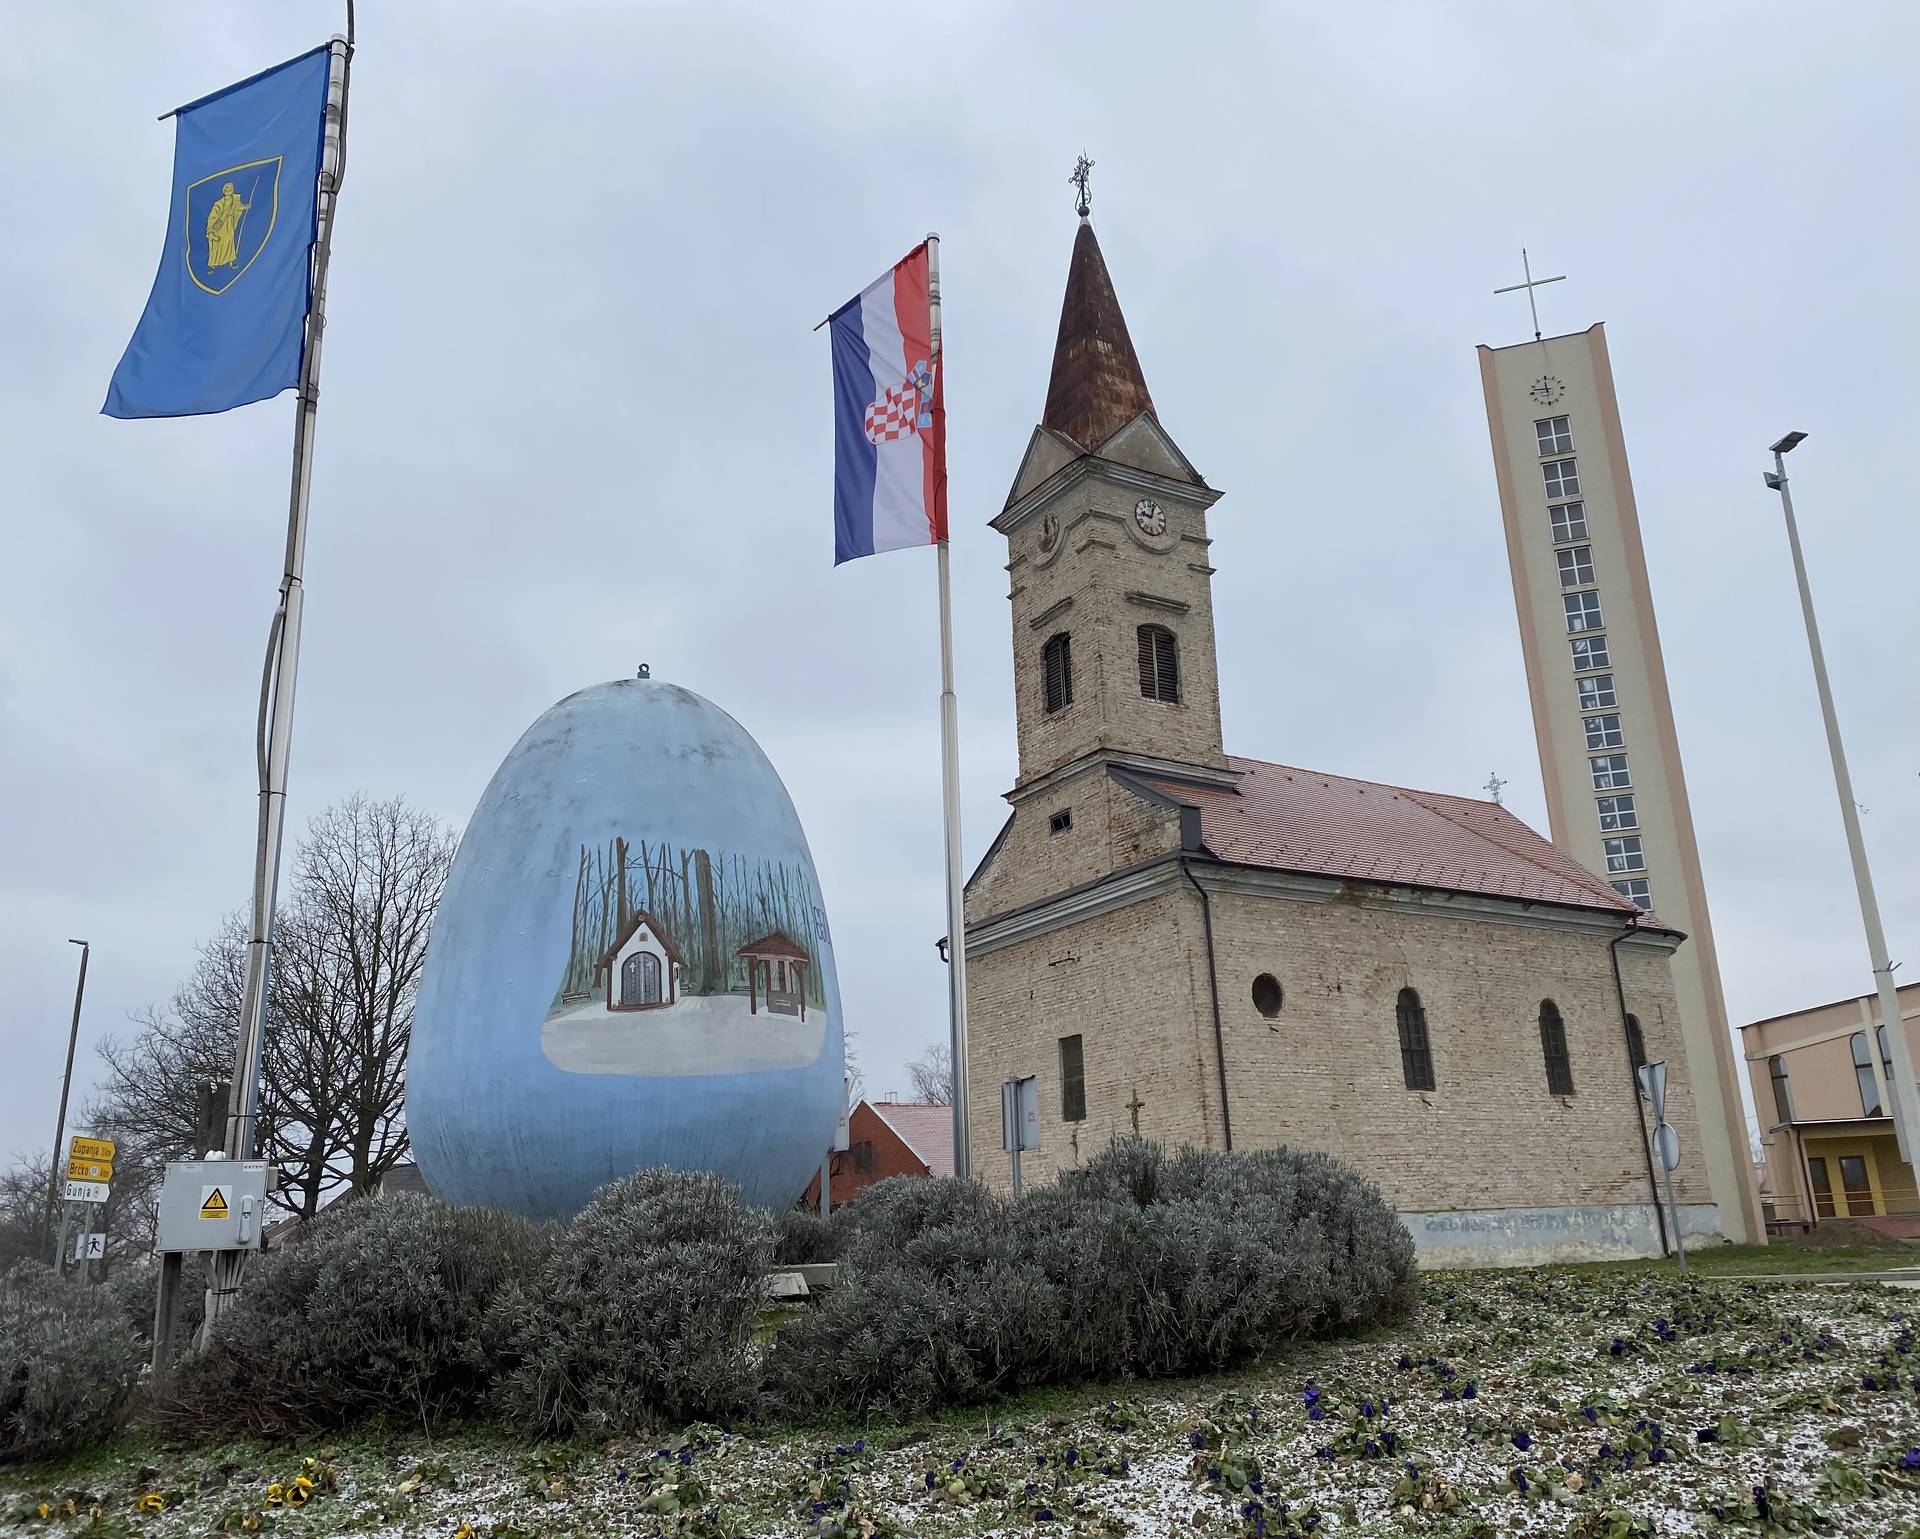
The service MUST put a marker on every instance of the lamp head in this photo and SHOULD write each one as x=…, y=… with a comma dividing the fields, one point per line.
x=1774, y=483
x=72, y=942
x=1788, y=444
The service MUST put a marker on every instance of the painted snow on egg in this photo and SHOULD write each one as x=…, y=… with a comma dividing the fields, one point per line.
x=631, y=967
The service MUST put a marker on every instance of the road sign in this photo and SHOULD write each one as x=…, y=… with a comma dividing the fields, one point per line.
x=1020, y=1114
x=79, y=1148
x=86, y=1191
x=89, y=1170
x=1653, y=1080
x=89, y=1247
x=1666, y=1144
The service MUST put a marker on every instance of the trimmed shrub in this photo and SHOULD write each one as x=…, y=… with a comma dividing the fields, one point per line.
x=382, y=1308
x=67, y=1361
x=801, y=1236
x=644, y=1310
x=1137, y=1265
x=134, y=1286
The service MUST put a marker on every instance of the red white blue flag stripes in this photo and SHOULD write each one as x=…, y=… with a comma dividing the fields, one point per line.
x=889, y=418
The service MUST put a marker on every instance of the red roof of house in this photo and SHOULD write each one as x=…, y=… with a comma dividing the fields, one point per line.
x=1290, y=819
x=772, y=945
x=926, y=1130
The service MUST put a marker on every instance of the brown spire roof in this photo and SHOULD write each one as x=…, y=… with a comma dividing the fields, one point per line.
x=1097, y=387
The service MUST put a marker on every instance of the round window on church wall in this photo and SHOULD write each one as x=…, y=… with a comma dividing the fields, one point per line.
x=1266, y=994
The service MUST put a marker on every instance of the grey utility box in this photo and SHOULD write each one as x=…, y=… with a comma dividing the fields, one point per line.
x=213, y=1205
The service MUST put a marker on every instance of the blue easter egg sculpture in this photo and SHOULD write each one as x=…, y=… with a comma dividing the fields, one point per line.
x=631, y=967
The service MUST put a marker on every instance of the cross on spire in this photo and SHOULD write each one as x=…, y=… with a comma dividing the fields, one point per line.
x=1494, y=787
x=1082, y=171
x=1530, y=285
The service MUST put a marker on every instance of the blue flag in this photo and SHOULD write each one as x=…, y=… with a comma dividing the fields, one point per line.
x=227, y=320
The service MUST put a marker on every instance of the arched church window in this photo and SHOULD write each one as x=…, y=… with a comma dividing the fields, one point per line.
x=640, y=979
x=1782, y=1089
x=1416, y=1051
x=1636, y=1041
x=1056, y=666
x=1553, y=1047
x=1863, y=1073
x=1159, y=663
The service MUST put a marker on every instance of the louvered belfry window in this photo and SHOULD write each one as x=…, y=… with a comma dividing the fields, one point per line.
x=1056, y=660
x=1553, y=1047
x=1159, y=663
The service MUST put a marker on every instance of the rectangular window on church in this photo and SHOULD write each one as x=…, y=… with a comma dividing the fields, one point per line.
x=1061, y=821
x=1616, y=813
x=1569, y=522
x=1637, y=891
x=1590, y=652
x=1583, y=611
x=1596, y=691
x=1554, y=435
x=1624, y=854
x=1576, y=566
x=1603, y=731
x=1563, y=479
x=1073, y=1080
x=1610, y=772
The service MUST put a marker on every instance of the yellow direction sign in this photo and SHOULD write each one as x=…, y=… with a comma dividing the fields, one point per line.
x=90, y=1149
x=79, y=1169
x=214, y=1202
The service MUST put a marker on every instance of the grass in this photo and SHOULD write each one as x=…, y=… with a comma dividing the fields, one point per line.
x=1788, y=1256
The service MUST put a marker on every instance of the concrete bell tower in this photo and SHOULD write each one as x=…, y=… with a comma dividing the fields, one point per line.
x=1106, y=527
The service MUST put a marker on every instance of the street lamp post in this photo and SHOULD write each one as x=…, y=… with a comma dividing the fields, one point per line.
x=56, y=1173
x=1904, y=1092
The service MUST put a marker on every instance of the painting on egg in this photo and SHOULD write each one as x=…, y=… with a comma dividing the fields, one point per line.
x=631, y=967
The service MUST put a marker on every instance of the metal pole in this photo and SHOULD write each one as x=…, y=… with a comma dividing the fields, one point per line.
x=950, y=796
x=1905, y=1093
x=56, y=1173
x=826, y=1191
x=243, y=1105
x=1016, y=1173
x=1673, y=1208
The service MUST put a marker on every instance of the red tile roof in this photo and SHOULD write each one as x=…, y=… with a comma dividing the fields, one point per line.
x=926, y=1130
x=1290, y=819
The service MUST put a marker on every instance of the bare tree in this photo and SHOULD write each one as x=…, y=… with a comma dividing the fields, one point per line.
x=932, y=1075
x=348, y=944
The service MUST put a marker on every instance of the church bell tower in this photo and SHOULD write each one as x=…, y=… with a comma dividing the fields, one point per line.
x=1106, y=528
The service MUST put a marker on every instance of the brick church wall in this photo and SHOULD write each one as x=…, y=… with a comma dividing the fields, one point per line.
x=1326, y=1072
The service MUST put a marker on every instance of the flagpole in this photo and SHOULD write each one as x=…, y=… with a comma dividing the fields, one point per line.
x=275, y=728
x=950, y=796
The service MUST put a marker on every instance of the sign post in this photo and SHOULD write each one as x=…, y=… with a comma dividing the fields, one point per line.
x=1666, y=1144
x=1019, y=1120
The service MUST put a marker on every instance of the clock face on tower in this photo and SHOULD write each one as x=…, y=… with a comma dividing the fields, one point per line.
x=1546, y=390
x=1150, y=516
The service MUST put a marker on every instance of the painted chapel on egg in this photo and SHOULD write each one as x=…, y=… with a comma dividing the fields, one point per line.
x=1220, y=951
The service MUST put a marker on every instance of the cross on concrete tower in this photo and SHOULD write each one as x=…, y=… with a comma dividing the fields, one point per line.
x=1530, y=285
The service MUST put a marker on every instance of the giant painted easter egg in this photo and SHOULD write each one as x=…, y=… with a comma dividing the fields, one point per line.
x=631, y=967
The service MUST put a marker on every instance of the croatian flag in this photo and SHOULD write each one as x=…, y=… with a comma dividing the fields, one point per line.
x=889, y=418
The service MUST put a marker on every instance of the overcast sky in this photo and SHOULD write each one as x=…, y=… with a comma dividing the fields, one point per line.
x=574, y=417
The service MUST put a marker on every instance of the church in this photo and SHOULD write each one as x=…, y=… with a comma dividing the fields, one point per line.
x=1220, y=951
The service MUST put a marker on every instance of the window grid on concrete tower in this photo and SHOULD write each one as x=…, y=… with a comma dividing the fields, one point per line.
x=1576, y=566
x=1617, y=813
x=1624, y=854
x=1637, y=890
x=1553, y=1048
x=1590, y=652
x=1610, y=772
x=1562, y=478
x=1569, y=522
x=1416, y=1050
x=1057, y=671
x=1159, y=664
x=1603, y=731
x=1554, y=435
x=1582, y=611
x=1595, y=691
x=1863, y=1075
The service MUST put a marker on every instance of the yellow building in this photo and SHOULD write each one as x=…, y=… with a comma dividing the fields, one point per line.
x=1821, y=1080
